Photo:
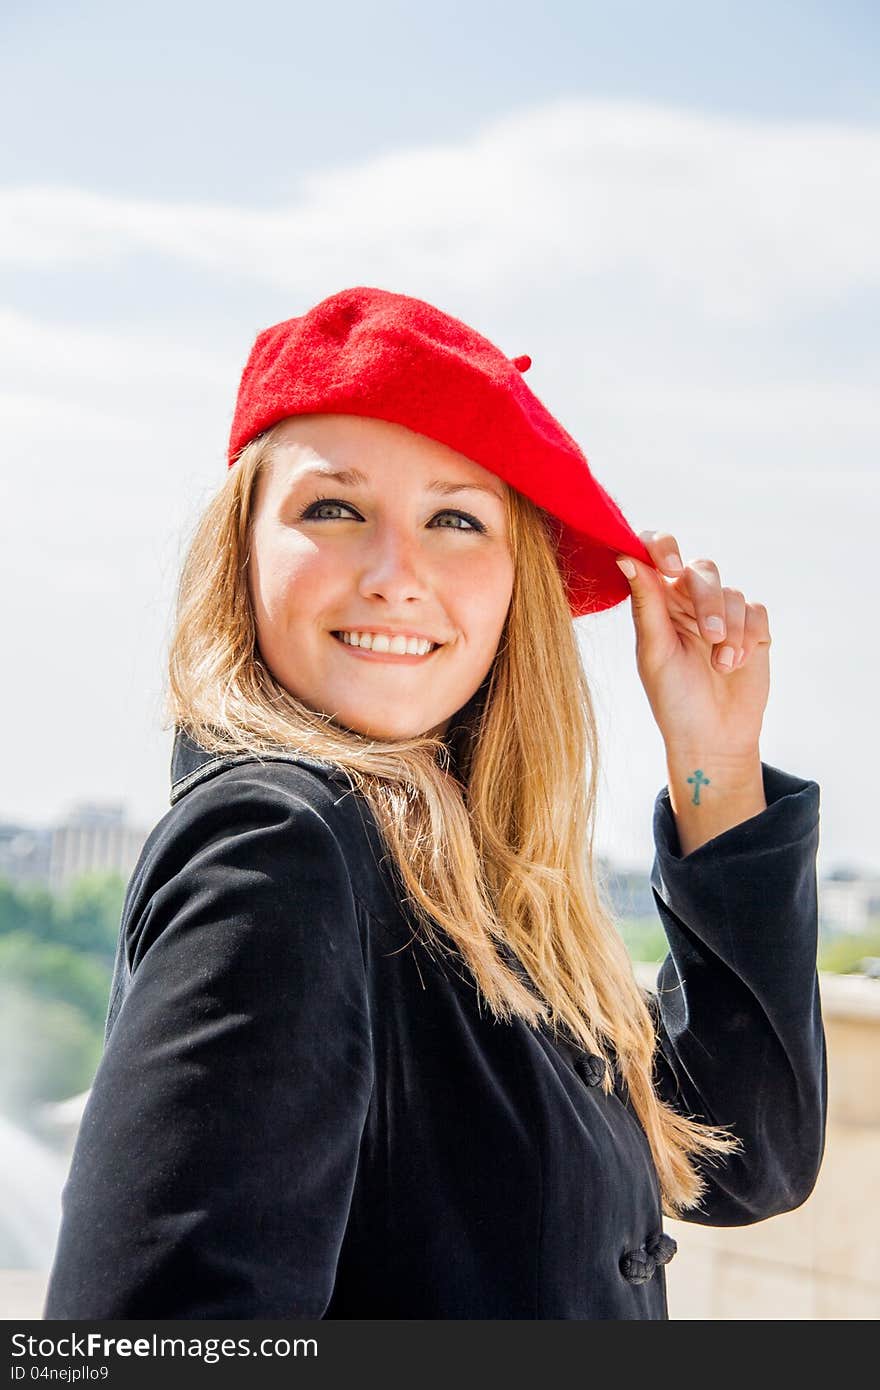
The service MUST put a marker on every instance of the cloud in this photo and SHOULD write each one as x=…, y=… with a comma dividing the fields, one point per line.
x=65, y=383
x=741, y=216
x=788, y=411
x=29, y=345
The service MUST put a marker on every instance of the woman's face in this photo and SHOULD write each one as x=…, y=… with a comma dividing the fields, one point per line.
x=409, y=540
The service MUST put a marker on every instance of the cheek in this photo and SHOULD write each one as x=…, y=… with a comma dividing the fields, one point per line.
x=288, y=577
x=480, y=593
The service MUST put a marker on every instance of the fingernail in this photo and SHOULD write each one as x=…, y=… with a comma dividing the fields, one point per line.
x=725, y=656
x=716, y=624
x=739, y=656
x=628, y=568
x=672, y=562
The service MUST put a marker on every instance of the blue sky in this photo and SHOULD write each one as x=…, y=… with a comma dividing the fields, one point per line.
x=674, y=209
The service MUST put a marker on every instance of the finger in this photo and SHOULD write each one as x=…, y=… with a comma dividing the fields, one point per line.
x=756, y=632
x=724, y=655
x=650, y=612
x=704, y=587
x=663, y=549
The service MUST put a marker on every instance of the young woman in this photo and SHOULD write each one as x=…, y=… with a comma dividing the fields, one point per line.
x=374, y=1047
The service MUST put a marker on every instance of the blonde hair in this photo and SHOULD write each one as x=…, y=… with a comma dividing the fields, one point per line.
x=490, y=832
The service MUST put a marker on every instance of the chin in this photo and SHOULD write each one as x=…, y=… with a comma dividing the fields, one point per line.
x=384, y=732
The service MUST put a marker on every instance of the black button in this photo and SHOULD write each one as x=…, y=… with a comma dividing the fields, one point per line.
x=662, y=1247
x=590, y=1068
x=638, y=1266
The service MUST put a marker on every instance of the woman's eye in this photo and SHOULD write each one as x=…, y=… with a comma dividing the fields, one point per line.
x=318, y=504
x=472, y=523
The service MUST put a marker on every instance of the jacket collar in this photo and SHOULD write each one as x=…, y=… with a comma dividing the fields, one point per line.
x=192, y=764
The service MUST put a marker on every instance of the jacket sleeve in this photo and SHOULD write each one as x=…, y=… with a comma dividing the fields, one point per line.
x=737, y=1008
x=215, y=1160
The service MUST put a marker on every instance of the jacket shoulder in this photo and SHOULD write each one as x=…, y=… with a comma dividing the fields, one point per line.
x=231, y=796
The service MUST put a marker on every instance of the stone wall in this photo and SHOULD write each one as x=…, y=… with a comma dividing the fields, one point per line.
x=820, y=1261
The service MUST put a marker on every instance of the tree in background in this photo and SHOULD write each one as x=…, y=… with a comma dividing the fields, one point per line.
x=56, y=963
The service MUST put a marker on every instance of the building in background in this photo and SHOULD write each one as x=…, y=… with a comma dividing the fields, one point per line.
x=24, y=854
x=94, y=838
x=849, y=902
x=628, y=889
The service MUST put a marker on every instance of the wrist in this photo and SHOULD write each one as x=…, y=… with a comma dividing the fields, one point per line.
x=740, y=766
x=710, y=792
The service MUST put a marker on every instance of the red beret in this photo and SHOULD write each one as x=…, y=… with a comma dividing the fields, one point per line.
x=370, y=352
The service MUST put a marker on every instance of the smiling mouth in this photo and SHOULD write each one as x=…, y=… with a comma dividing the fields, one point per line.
x=367, y=653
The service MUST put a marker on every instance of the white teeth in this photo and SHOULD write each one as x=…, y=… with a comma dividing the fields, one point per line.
x=381, y=642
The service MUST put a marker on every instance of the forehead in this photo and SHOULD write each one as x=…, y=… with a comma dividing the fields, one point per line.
x=357, y=451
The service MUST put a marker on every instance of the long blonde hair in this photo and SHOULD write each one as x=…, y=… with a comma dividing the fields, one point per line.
x=490, y=831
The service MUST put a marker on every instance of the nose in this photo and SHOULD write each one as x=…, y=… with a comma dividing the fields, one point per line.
x=393, y=568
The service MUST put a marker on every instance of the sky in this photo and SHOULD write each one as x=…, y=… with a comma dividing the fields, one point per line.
x=674, y=210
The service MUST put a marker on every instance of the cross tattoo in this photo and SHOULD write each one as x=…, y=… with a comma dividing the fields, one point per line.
x=699, y=780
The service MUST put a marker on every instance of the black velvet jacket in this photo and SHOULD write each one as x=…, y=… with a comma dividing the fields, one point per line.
x=301, y=1113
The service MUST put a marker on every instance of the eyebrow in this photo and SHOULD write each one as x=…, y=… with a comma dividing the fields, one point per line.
x=353, y=477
